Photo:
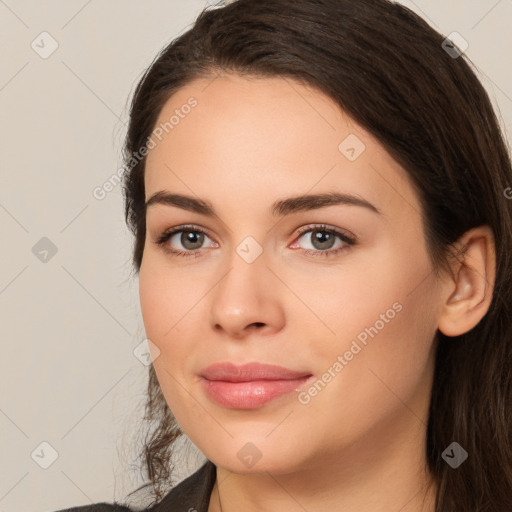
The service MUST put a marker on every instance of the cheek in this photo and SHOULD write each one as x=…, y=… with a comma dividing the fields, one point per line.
x=349, y=295
x=172, y=312
x=387, y=361
x=166, y=295
x=378, y=383
x=152, y=298
x=382, y=317
x=162, y=308
x=361, y=304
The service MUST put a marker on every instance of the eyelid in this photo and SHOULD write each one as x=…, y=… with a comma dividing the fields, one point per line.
x=329, y=229
x=167, y=233
x=348, y=240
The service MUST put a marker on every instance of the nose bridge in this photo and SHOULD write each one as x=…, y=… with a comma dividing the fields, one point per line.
x=244, y=295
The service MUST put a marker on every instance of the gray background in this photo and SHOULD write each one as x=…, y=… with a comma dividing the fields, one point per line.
x=69, y=325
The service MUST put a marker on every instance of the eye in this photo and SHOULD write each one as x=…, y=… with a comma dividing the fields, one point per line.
x=323, y=241
x=184, y=240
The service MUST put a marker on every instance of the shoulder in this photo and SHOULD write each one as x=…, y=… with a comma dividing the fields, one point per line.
x=98, y=507
x=192, y=493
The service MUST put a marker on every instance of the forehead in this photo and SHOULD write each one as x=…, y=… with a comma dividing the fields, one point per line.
x=259, y=139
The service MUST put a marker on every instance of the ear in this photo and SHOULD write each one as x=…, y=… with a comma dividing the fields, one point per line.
x=468, y=290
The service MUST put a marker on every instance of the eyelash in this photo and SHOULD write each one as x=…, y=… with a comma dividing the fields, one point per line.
x=348, y=241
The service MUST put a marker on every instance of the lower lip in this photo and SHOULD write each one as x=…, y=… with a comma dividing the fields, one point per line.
x=249, y=395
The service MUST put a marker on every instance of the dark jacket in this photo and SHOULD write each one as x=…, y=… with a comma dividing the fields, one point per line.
x=190, y=495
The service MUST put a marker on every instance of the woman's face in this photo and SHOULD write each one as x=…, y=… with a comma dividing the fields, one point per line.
x=276, y=280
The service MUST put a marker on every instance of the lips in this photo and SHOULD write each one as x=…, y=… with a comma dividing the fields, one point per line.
x=251, y=371
x=251, y=385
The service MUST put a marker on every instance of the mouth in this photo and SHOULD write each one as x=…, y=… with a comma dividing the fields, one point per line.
x=250, y=386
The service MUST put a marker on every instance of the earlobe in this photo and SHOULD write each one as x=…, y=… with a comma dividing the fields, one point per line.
x=469, y=289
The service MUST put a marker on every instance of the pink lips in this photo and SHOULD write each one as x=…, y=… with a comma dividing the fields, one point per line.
x=251, y=385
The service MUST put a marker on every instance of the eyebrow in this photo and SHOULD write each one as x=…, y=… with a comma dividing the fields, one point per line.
x=279, y=208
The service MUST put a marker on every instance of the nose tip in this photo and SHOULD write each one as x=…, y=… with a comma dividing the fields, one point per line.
x=246, y=301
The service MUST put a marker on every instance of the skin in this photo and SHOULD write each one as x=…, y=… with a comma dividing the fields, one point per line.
x=358, y=445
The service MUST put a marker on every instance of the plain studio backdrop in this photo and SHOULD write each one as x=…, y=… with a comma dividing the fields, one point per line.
x=71, y=384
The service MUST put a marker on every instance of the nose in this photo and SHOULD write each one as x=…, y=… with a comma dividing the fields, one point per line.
x=247, y=300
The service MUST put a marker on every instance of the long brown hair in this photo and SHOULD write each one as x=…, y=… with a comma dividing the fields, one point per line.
x=390, y=71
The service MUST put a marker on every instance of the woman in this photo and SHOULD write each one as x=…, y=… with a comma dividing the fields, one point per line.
x=318, y=194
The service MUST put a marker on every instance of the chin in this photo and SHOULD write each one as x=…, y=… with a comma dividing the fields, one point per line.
x=257, y=457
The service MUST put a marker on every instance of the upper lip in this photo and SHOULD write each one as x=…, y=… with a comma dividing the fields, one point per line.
x=251, y=371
